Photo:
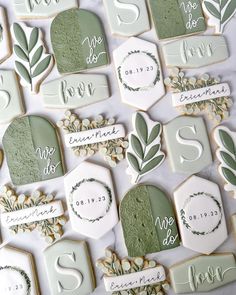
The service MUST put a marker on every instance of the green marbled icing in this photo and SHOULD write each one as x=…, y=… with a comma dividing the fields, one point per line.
x=20, y=141
x=68, y=33
x=139, y=210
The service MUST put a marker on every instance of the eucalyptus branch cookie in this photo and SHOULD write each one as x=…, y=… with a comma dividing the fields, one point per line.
x=5, y=49
x=132, y=276
x=32, y=63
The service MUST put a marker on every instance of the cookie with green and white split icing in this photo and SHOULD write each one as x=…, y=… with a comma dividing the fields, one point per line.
x=226, y=154
x=200, y=215
x=17, y=272
x=78, y=41
x=144, y=152
x=134, y=276
x=5, y=50
x=33, y=9
x=32, y=150
x=148, y=221
x=32, y=63
x=219, y=13
x=176, y=18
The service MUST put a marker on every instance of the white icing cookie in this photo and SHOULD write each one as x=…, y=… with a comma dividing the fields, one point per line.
x=5, y=49
x=31, y=9
x=139, y=73
x=11, y=104
x=17, y=273
x=200, y=215
x=91, y=200
x=32, y=64
x=127, y=18
x=75, y=91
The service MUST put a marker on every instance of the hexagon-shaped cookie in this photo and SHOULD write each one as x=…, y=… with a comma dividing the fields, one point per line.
x=17, y=272
x=200, y=215
x=139, y=73
x=91, y=200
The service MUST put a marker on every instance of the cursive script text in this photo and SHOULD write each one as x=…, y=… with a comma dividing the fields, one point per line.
x=47, y=154
x=93, y=43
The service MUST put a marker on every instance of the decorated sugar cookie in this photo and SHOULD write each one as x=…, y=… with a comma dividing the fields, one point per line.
x=32, y=150
x=127, y=18
x=187, y=144
x=219, y=13
x=69, y=268
x=200, y=215
x=87, y=137
x=5, y=50
x=233, y=219
x=226, y=153
x=75, y=91
x=11, y=104
x=200, y=94
x=144, y=152
x=32, y=9
x=91, y=200
x=139, y=73
x=195, y=51
x=17, y=272
x=81, y=48
x=135, y=276
x=176, y=18
x=21, y=213
x=203, y=273
x=32, y=64
x=148, y=221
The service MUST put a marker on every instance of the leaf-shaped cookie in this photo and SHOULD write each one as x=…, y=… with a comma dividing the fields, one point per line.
x=219, y=12
x=32, y=63
x=226, y=153
x=144, y=154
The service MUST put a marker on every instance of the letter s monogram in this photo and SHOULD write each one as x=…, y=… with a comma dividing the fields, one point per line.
x=134, y=8
x=193, y=143
x=69, y=272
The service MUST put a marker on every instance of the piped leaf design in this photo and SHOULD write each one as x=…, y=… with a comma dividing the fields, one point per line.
x=228, y=159
x=31, y=62
x=229, y=176
x=144, y=153
x=212, y=9
x=227, y=141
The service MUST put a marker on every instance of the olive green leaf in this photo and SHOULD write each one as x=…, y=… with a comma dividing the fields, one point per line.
x=20, y=36
x=152, y=164
x=227, y=141
x=37, y=55
x=20, y=53
x=34, y=36
x=137, y=146
x=228, y=160
x=133, y=161
x=141, y=128
x=152, y=152
x=23, y=71
x=154, y=133
x=42, y=66
x=212, y=9
x=229, y=12
x=229, y=175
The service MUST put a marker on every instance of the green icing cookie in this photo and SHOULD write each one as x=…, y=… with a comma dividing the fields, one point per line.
x=32, y=150
x=78, y=41
x=173, y=18
x=148, y=221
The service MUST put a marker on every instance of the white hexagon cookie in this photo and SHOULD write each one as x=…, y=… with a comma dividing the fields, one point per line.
x=91, y=200
x=200, y=215
x=17, y=272
x=139, y=73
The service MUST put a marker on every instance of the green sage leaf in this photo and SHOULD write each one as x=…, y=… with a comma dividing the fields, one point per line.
x=223, y=4
x=23, y=71
x=154, y=133
x=37, y=55
x=20, y=53
x=137, y=146
x=133, y=162
x=229, y=11
x=229, y=175
x=212, y=10
x=141, y=128
x=152, y=164
x=33, y=38
x=42, y=66
x=227, y=141
x=228, y=160
x=20, y=36
x=152, y=152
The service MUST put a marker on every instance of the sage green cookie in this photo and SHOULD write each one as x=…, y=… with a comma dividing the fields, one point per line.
x=32, y=150
x=174, y=18
x=148, y=221
x=78, y=41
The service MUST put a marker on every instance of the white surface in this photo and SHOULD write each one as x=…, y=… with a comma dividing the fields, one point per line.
x=162, y=177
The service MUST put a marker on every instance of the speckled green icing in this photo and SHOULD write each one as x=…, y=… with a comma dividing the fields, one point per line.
x=32, y=150
x=78, y=41
x=69, y=268
x=203, y=273
x=148, y=221
x=173, y=18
